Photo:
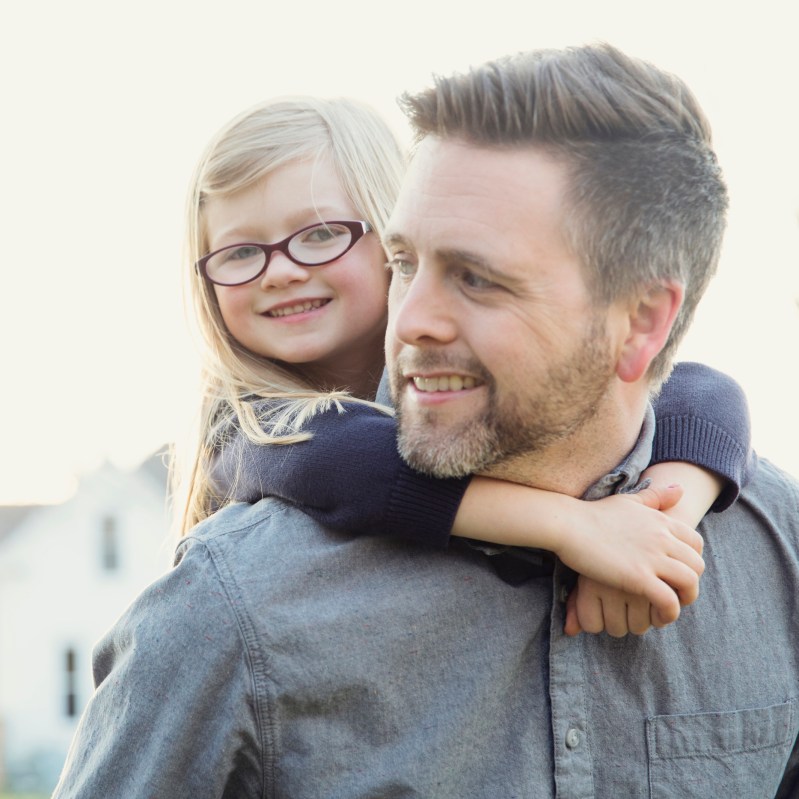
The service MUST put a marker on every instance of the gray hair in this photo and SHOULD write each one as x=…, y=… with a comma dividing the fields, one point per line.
x=647, y=199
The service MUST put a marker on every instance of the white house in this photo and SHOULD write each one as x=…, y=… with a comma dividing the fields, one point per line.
x=66, y=573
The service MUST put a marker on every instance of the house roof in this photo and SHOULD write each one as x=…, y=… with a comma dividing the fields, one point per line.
x=157, y=466
x=12, y=515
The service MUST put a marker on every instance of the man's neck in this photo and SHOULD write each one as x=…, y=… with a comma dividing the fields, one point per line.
x=573, y=464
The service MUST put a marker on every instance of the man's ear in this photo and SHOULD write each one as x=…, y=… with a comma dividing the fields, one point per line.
x=651, y=317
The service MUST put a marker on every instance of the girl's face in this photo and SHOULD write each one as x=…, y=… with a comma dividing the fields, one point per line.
x=329, y=319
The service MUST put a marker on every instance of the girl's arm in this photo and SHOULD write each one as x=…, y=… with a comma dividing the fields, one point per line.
x=703, y=419
x=350, y=476
x=702, y=442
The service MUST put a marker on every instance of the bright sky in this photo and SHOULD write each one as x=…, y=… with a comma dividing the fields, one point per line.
x=106, y=108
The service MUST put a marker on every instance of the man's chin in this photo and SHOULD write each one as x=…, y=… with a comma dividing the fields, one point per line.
x=434, y=462
x=453, y=437
x=444, y=451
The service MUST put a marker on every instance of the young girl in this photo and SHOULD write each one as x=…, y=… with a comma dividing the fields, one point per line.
x=288, y=279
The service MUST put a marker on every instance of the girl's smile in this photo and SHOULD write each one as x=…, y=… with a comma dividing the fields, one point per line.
x=330, y=319
x=293, y=309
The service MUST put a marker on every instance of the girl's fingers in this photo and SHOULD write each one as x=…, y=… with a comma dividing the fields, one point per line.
x=658, y=497
x=683, y=580
x=572, y=625
x=686, y=554
x=639, y=613
x=689, y=536
x=588, y=607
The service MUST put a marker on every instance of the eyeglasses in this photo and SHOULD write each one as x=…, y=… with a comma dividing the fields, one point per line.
x=314, y=245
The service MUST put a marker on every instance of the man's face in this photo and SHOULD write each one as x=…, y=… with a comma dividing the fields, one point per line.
x=493, y=346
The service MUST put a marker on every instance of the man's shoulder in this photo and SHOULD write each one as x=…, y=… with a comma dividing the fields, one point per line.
x=770, y=499
x=770, y=481
x=274, y=550
x=244, y=529
x=257, y=554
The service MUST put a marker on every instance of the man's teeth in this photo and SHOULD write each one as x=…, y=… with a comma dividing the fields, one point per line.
x=447, y=383
x=298, y=308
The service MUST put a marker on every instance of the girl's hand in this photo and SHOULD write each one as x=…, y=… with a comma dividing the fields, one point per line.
x=625, y=542
x=631, y=546
x=594, y=606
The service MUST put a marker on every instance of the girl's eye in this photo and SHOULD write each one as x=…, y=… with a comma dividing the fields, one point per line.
x=323, y=234
x=242, y=253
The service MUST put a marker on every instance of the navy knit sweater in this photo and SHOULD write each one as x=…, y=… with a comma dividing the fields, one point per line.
x=349, y=476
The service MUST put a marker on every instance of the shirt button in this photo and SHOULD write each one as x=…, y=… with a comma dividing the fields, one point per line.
x=563, y=593
x=573, y=738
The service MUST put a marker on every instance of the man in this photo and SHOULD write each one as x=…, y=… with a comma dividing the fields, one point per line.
x=561, y=218
x=562, y=215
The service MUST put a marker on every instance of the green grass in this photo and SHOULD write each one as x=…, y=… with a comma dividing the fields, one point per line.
x=22, y=796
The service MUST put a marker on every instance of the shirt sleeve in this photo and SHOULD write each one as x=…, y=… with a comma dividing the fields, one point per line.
x=703, y=418
x=174, y=713
x=348, y=476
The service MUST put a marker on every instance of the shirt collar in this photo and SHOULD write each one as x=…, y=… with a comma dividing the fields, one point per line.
x=624, y=478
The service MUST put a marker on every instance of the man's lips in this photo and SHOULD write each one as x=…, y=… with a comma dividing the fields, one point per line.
x=295, y=307
x=441, y=383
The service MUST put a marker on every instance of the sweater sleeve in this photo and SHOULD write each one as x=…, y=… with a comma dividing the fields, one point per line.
x=703, y=418
x=348, y=476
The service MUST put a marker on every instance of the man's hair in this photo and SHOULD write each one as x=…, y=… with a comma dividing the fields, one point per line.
x=647, y=201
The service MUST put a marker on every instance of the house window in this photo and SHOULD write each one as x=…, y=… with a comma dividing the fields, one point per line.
x=70, y=694
x=110, y=544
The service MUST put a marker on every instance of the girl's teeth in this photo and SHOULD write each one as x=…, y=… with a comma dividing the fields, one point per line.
x=298, y=308
x=448, y=383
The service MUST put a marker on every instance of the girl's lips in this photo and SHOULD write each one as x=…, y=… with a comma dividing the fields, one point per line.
x=293, y=308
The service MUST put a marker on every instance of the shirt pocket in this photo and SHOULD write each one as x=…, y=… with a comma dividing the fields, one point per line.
x=739, y=754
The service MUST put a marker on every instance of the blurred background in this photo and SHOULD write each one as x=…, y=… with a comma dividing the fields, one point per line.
x=106, y=107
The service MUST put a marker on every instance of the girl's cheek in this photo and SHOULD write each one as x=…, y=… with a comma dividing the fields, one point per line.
x=232, y=305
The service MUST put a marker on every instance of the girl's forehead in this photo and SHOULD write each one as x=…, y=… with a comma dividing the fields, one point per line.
x=291, y=196
x=297, y=182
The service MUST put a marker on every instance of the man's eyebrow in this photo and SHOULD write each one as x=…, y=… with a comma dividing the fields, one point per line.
x=453, y=256
x=474, y=260
x=394, y=240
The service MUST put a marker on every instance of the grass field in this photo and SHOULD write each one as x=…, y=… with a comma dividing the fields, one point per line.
x=22, y=796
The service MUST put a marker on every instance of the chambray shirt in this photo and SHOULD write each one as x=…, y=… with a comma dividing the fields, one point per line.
x=280, y=659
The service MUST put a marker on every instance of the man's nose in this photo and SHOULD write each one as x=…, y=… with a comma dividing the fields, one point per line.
x=422, y=312
x=281, y=271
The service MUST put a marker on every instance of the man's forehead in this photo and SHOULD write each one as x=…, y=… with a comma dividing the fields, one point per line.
x=457, y=188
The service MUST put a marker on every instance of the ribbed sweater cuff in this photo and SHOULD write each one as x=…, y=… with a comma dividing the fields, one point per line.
x=422, y=508
x=693, y=440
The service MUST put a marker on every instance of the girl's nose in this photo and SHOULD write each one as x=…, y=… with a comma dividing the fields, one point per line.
x=282, y=271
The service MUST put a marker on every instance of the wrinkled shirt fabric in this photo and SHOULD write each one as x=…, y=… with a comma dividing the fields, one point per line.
x=280, y=659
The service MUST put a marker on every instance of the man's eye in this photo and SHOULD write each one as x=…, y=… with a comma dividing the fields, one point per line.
x=475, y=281
x=401, y=267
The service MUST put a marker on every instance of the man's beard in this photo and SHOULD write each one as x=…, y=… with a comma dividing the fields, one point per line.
x=567, y=396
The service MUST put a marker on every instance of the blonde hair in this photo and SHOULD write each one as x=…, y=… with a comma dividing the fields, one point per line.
x=369, y=165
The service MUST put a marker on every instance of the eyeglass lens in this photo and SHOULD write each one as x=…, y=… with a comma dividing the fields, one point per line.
x=312, y=246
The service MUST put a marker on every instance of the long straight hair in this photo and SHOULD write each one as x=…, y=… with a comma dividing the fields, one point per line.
x=369, y=164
